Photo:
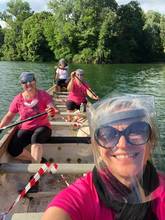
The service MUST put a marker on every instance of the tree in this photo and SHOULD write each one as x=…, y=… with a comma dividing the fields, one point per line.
x=60, y=30
x=128, y=43
x=34, y=44
x=89, y=16
x=162, y=32
x=19, y=9
x=152, y=31
x=80, y=21
x=106, y=36
x=17, y=12
x=1, y=40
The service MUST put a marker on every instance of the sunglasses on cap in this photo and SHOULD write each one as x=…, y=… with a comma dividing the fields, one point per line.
x=137, y=133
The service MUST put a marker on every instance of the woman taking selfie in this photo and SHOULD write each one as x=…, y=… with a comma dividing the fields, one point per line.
x=124, y=184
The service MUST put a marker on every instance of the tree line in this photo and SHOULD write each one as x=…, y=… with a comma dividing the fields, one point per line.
x=82, y=31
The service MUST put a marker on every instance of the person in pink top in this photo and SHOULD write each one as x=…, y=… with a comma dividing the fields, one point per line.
x=31, y=101
x=124, y=184
x=79, y=90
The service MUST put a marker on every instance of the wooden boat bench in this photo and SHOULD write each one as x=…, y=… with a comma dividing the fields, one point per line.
x=27, y=216
x=63, y=168
x=69, y=139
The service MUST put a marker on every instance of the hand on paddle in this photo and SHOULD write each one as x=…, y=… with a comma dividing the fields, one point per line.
x=72, y=75
x=52, y=111
x=95, y=97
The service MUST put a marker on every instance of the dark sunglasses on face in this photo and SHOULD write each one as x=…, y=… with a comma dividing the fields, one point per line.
x=137, y=133
x=79, y=74
x=27, y=81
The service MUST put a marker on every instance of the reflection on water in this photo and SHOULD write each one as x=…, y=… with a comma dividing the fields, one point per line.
x=104, y=79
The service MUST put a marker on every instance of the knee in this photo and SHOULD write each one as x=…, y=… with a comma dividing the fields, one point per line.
x=36, y=147
x=14, y=152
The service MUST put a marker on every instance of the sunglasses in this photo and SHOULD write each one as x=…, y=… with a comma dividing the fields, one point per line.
x=79, y=74
x=27, y=81
x=137, y=133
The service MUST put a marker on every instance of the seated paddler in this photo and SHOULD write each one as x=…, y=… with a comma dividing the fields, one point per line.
x=28, y=103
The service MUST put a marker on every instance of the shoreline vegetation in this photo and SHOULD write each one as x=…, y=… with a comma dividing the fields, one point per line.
x=82, y=31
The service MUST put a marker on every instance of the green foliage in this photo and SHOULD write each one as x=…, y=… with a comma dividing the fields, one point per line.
x=106, y=36
x=82, y=31
x=128, y=44
x=1, y=37
x=1, y=40
x=85, y=56
x=17, y=12
x=162, y=32
x=34, y=44
x=152, y=30
x=18, y=9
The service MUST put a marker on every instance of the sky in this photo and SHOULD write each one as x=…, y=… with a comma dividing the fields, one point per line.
x=40, y=5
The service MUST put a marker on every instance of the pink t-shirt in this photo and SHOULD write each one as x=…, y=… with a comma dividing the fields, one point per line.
x=78, y=93
x=81, y=202
x=27, y=109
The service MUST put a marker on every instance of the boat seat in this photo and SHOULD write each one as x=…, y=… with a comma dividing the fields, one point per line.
x=63, y=168
x=62, y=123
x=69, y=139
x=27, y=216
x=60, y=106
x=61, y=93
x=83, y=114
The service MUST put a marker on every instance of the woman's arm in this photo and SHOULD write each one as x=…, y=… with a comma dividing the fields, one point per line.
x=7, y=119
x=57, y=74
x=92, y=96
x=55, y=213
x=70, y=84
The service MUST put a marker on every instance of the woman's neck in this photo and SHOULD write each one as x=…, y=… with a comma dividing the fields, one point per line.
x=29, y=94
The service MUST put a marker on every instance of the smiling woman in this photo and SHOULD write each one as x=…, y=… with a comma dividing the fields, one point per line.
x=30, y=102
x=124, y=184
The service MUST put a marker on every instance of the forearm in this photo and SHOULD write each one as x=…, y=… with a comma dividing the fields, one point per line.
x=56, y=77
x=70, y=85
x=6, y=119
x=91, y=95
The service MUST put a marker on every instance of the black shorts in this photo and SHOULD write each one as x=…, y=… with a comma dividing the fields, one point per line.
x=61, y=82
x=70, y=105
x=22, y=138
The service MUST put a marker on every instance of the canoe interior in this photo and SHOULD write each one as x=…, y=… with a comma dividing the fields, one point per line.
x=69, y=147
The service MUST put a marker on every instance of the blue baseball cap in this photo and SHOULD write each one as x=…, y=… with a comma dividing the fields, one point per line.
x=26, y=77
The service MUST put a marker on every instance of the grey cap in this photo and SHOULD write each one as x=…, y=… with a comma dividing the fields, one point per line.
x=26, y=77
x=62, y=61
x=80, y=71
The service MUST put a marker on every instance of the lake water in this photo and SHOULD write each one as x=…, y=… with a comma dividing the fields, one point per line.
x=104, y=80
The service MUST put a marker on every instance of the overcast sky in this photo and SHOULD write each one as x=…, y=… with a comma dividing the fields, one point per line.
x=40, y=5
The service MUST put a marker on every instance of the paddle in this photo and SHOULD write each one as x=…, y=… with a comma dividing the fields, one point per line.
x=90, y=90
x=20, y=122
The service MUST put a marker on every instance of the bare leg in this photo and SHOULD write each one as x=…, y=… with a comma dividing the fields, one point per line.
x=69, y=117
x=36, y=152
x=25, y=155
x=58, y=88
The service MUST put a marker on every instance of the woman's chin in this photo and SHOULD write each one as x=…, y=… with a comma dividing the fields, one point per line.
x=131, y=171
x=126, y=166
